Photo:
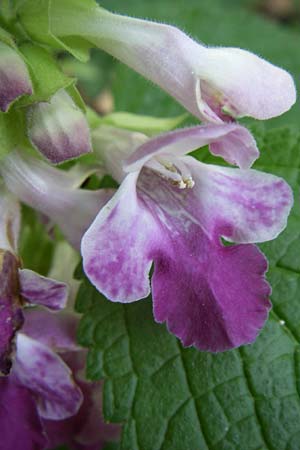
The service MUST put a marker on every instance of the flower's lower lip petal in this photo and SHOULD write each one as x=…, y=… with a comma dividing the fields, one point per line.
x=244, y=206
x=116, y=248
x=211, y=296
x=39, y=369
x=20, y=424
x=218, y=300
x=11, y=317
x=43, y=291
x=57, y=331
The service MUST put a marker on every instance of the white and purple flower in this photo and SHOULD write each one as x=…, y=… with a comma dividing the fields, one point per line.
x=216, y=84
x=173, y=210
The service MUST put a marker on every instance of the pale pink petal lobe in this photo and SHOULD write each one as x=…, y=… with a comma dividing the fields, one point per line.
x=43, y=291
x=48, y=377
x=116, y=248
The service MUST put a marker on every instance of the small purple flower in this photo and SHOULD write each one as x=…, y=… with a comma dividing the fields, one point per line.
x=14, y=77
x=173, y=210
x=19, y=286
x=45, y=402
x=58, y=128
x=215, y=84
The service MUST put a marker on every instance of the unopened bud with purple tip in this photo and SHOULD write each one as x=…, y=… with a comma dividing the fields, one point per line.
x=58, y=128
x=14, y=77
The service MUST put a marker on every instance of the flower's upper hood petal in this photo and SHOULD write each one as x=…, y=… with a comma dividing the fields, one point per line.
x=231, y=141
x=211, y=83
x=243, y=84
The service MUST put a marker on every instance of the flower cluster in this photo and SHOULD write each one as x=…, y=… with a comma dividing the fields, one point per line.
x=196, y=223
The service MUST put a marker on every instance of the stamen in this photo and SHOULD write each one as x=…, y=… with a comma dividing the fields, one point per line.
x=173, y=170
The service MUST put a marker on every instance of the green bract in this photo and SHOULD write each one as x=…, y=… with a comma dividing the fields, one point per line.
x=46, y=76
x=39, y=18
x=12, y=136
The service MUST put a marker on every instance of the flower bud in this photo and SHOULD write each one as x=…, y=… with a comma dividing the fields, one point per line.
x=58, y=128
x=14, y=77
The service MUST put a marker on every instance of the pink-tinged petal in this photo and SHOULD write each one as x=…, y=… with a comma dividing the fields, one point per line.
x=243, y=84
x=55, y=330
x=11, y=317
x=20, y=424
x=231, y=141
x=10, y=218
x=58, y=128
x=244, y=206
x=214, y=84
x=116, y=248
x=48, y=377
x=14, y=77
x=43, y=291
x=238, y=148
x=51, y=191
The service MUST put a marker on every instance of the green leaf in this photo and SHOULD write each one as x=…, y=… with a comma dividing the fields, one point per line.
x=6, y=10
x=12, y=131
x=46, y=76
x=37, y=16
x=6, y=38
x=176, y=398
